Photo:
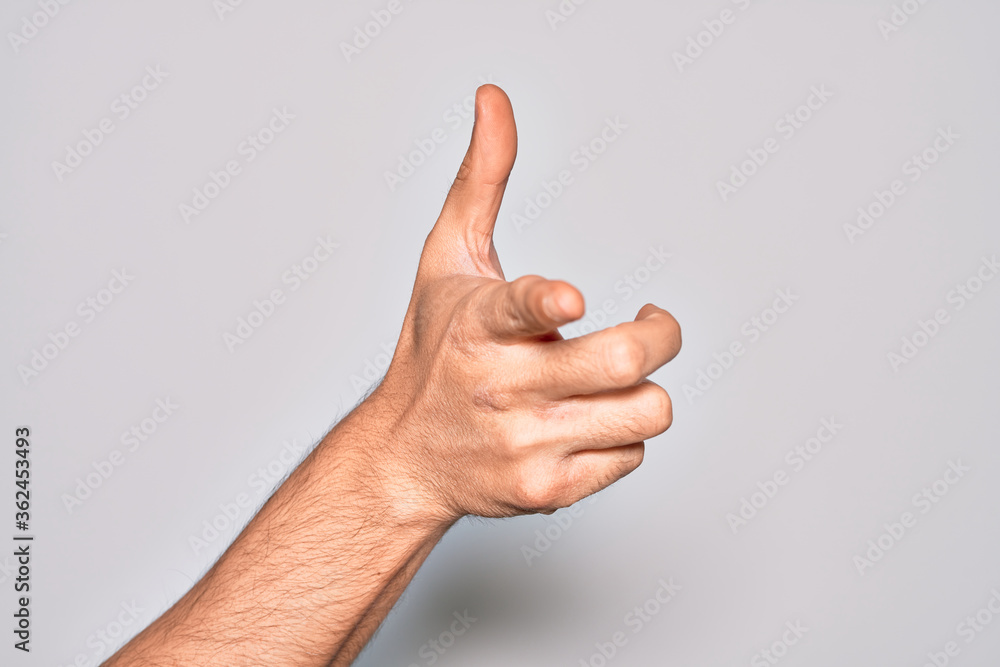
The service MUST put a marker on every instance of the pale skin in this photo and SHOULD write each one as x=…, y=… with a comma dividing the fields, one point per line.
x=485, y=410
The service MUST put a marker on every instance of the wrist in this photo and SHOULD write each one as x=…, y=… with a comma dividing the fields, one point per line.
x=369, y=456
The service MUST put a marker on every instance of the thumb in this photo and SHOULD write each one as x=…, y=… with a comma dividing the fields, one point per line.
x=473, y=203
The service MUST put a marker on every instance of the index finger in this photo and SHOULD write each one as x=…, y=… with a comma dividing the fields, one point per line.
x=531, y=306
x=614, y=358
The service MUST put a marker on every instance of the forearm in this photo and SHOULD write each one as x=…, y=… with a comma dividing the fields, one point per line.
x=374, y=615
x=313, y=574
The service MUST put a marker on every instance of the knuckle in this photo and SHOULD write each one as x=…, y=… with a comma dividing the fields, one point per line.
x=535, y=491
x=675, y=335
x=517, y=443
x=525, y=282
x=523, y=287
x=660, y=409
x=624, y=359
x=625, y=462
x=491, y=400
x=457, y=324
x=501, y=428
x=524, y=299
x=650, y=413
x=672, y=331
x=630, y=459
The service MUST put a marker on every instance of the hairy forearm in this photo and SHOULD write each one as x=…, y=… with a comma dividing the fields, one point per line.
x=313, y=574
x=376, y=613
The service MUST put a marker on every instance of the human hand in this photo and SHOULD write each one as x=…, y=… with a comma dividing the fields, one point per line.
x=491, y=412
x=484, y=410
